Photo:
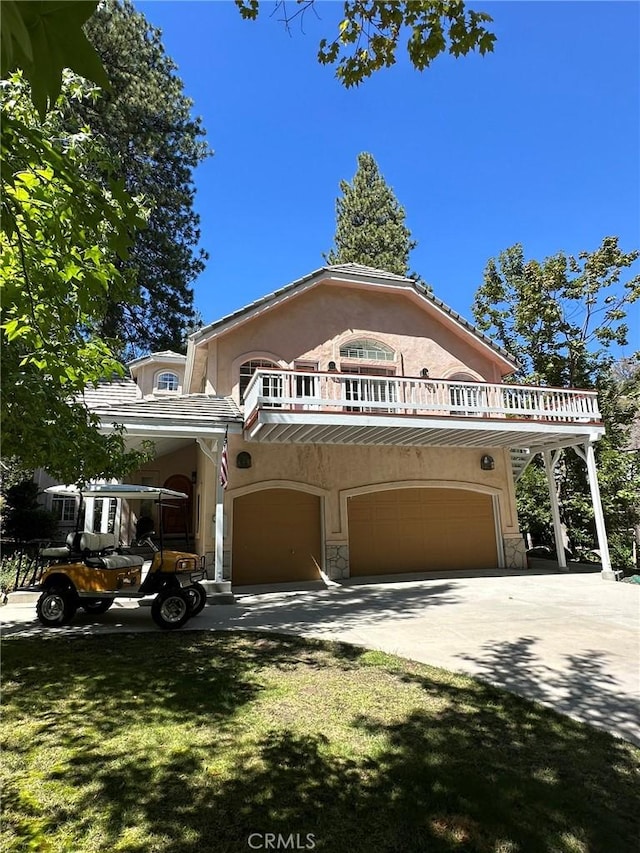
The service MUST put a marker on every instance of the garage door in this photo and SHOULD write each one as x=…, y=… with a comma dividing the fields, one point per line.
x=417, y=530
x=276, y=537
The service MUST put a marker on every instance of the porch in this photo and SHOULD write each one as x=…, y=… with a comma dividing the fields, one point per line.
x=341, y=408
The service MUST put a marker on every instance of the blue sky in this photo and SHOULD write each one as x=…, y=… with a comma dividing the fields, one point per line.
x=536, y=143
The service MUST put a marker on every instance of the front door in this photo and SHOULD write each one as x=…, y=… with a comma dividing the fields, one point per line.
x=173, y=516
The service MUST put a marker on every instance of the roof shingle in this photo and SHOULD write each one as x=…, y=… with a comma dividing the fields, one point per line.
x=189, y=407
x=111, y=393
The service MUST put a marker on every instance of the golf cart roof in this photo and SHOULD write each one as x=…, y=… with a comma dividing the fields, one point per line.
x=116, y=490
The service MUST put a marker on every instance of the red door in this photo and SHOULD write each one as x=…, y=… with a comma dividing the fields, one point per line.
x=173, y=516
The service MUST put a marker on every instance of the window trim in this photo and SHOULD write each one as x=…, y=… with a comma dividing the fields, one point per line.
x=366, y=349
x=261, y=364
x=61, y=506
x=161, y=375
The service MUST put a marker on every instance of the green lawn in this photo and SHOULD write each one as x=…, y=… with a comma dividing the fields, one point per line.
x=196, y=742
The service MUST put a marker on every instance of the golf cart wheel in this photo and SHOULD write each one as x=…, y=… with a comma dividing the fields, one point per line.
x=96, y=605
x=171, y=609
x=56, y=607
x=197, y=598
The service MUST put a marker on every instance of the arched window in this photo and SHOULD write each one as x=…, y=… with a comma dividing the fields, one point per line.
x=249, y=368
x=367, y=349
x=167, y=382
x=465, y=397
x=362, y=358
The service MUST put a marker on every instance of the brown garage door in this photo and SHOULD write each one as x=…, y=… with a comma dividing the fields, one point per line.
x=276, y=537
x=417, y=530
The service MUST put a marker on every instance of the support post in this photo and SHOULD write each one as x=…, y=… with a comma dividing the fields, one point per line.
x=104, y=518
x=550, y=462
x=89, y=510
x=587, y=454
x=218, y=590
x=219, y=533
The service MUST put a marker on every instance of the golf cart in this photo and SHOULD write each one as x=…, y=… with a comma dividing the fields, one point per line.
x=92, y=570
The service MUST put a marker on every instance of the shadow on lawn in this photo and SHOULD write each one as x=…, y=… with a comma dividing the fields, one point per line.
x=583, y=687
x=481, y=770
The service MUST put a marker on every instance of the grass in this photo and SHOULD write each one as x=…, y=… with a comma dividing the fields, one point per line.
x=194, y=742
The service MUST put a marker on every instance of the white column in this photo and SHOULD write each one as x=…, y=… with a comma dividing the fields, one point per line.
x=117, y=522
x=219, y=553
x=588, y=455
x=550, y=462
x=88, y=514
x=104, y=518
x=218, y=590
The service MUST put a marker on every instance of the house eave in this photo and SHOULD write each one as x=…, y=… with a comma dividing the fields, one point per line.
x=391, y=429
x=165, y=428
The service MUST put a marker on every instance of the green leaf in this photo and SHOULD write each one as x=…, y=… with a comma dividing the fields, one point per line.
x=43, y=38
x=16, y=43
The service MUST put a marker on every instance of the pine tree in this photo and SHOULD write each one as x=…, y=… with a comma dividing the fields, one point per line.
x=370, y=225
x=145, y=123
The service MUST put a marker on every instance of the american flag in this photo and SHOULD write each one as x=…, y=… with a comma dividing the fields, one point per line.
x=224, y=464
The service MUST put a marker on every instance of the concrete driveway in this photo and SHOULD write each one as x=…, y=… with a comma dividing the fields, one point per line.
x=570, y=641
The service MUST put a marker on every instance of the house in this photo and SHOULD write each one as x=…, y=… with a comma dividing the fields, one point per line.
x=369, y=431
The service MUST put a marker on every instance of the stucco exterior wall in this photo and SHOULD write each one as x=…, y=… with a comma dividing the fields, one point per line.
x=337, y=471
x=158, y=470
x=312, y=327
x=146, y=377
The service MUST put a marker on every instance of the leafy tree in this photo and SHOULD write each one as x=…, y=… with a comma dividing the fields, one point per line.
x=370, y=31
x=67, y=228
x=22, y=516
x=144, y=123
x=62, y=238
x=42, y=39
x=559, y=318
x=144, y=120
x=370, y=225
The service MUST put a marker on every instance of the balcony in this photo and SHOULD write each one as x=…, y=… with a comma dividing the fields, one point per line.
x=342, y=408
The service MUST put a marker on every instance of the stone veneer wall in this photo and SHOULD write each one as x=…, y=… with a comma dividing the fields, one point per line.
x=337, y=560
x=515, y=552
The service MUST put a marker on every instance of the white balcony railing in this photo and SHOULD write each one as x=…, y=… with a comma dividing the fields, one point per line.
x=343, y=392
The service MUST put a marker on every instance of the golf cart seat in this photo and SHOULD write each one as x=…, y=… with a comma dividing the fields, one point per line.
x=99, y=552
x=115, y=561
x=97, y=544
x=66, y=552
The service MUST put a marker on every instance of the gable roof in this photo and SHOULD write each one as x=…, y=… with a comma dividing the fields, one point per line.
x=346, y=272
x=165, y=355
x=367, y=272
x=357, y=271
